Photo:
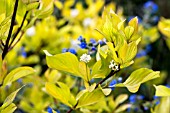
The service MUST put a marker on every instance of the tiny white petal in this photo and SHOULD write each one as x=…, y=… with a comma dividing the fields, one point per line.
x=85, y=58
x=30, y=31
x=74, y=12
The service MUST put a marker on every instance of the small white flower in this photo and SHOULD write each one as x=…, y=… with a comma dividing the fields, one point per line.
x=74, y=12
x=30, y=31
x=85, y=58
x=87, y=22
x=114, y=66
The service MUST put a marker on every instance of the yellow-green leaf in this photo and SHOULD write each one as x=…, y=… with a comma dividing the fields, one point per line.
x=89, y=98
x=127, y=52
x=18, y=73
x=106, y=91
x=61, y=92
x=134, y=23
x=162, y=90
x=138, y=77
x=120, y=99
x=64, y=62
x=10, y=109
x=10, y=98
x=85, y=71
x=33, y=5
x=122, y=108
x=128, y=32
x=163, y=106
x=46, y=8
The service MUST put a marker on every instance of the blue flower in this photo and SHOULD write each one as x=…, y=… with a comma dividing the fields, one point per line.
x=112, y=84
x=71, y=50
x=119, y=79
x=49, y=110
x=93, y=48
x=64, y=50
x=140, y=97
x=80, y=38
x=151, y=5
x=101, y=42
x=132, y=98
x=157, y=102
x=92, y=41
x=155, y=19
x=23, y=53
x=168, y=86
x=155, y=97
x=57, y=111
x=19, y=80
x=83, y=45
x=148, y=48
x=146, y=108
x=141, y=53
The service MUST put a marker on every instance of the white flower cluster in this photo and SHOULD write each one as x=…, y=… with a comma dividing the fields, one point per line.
x=114, y=66
x=85, y=58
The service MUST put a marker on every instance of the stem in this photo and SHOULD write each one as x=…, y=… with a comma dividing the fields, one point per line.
x=103, y=80
x=19, y=29
x=5, y=51
x=110, y=74
x=71, y=109
x=11, y=47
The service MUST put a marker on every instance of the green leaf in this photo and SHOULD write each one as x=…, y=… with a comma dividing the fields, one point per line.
x=64, y=62
x=85, y=71
x=101, y=68
x=21, y=8
x=33, y=5
x=107, y=30
x=61, y=92
x=46, y=9
x=18, y=73
x=162, y=90
x=10, y=109
x=163, y=106
x=138, y=77
x=106, y=91
x=9, y=7
x=122, y=108
x=10, y=98
x=127, y=52
x=89, y=98
x=120, y=99
x=134, y=23
x=92, y=87
x=128, y=32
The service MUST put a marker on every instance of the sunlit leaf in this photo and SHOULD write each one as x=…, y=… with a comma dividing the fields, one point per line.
x=31, y=6
x=18, y=73
x=134, y=23
x=46, y=8
x=138, y=77
x=85, y=71
x=128, y=32
x=10, y=109
x=120, y=99
x=162, y=90
x=122, y=108
x=163, y=106
x=64, y=62
x=10, y=98
x=89, y=98
x=61, y=92
x=164, y=25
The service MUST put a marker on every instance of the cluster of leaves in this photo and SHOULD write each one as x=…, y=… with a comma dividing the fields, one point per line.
x=83, y=78
x=121, y=47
